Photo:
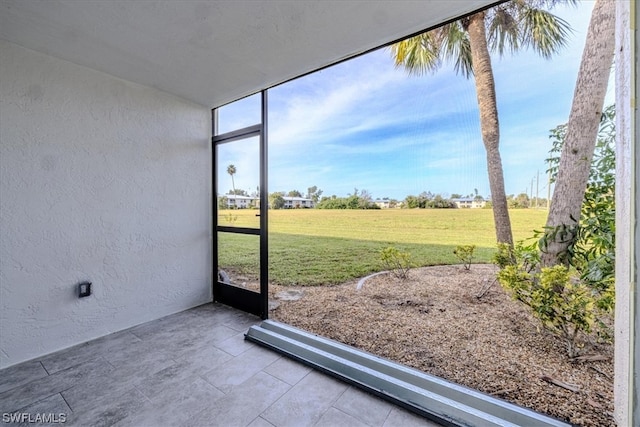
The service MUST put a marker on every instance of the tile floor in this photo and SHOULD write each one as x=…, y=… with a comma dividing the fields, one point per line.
x=192, y=368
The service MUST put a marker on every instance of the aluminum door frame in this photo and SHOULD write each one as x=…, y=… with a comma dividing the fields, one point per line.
x=252, y=302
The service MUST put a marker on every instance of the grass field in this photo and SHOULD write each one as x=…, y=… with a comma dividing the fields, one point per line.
x=314, y=246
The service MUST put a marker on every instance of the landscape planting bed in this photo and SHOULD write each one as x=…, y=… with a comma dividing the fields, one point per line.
x=434, y=321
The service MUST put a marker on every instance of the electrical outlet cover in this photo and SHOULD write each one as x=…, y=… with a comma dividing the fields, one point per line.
x=84, y=289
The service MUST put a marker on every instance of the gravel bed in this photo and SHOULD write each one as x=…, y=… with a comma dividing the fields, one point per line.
x=435, y=322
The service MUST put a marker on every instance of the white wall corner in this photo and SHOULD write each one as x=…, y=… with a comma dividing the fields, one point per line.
x=626, y=324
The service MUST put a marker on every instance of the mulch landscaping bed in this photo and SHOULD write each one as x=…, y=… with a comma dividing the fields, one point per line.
x=434, y=321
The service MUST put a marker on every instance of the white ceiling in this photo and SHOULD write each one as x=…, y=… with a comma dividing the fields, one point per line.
x=214, y=52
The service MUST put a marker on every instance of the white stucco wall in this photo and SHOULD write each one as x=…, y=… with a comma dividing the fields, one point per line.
x=626, y=327
x=100, y=180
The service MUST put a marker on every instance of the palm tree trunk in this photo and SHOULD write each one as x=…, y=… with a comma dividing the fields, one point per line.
x=582, y=128
x=489, y=125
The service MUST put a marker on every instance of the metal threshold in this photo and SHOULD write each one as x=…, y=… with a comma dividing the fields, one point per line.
x=442, y=401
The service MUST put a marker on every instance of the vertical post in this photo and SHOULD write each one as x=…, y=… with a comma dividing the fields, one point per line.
x=531, y=193
x=264, y=211
x=627, y=316
x=214, y=204
x=635, y=253
x=537, y=188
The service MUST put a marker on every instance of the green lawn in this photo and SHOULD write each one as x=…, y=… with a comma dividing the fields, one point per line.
x=314, y=247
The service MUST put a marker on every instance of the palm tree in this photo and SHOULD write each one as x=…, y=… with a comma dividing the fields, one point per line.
x=231, y=170
x=582, y=133
x=511, y=26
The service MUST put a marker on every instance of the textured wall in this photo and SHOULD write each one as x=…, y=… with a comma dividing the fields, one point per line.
x=626, y=223
x=100, y=180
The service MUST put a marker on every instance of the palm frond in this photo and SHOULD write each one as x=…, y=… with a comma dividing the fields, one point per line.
x=548, y=4
x=454, y=41
x=511, y=26
x=519, y=24
x=543, y=31
x=418, y=55
x=502, y=31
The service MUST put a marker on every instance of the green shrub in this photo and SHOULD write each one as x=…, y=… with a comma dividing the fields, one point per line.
x=527, y=256
x=591, y=237
x=566, y=306
x=504, y=256
x=465, y=254
x=230, y=218
x=576, y=296
x=397, y=262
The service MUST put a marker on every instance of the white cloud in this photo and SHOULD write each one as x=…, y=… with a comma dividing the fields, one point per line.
x=368, y=125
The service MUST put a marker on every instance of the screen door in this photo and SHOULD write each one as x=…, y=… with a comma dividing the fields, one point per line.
x=240, y=205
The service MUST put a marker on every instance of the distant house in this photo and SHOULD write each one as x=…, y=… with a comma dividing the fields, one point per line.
x=244, y=202
x=383, y=204
x=469, y=203
x=241, y=202
x=297, y=202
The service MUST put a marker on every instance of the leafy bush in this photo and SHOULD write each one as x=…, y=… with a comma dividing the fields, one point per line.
x=357, y=200
x=504, y=256
x=397, y=262
x=565, y=307
x=465, y=254
x=223, y=202
x=527, y=256
x=574, y=297
x=592, y=236
x=230, y=218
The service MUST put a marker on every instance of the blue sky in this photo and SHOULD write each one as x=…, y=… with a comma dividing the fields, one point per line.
x=365, y=124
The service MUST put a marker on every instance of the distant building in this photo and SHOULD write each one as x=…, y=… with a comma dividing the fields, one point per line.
x=469, y=203
x=244, y=202
x=297, y=202
x=241, y=202
x=383, y=204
